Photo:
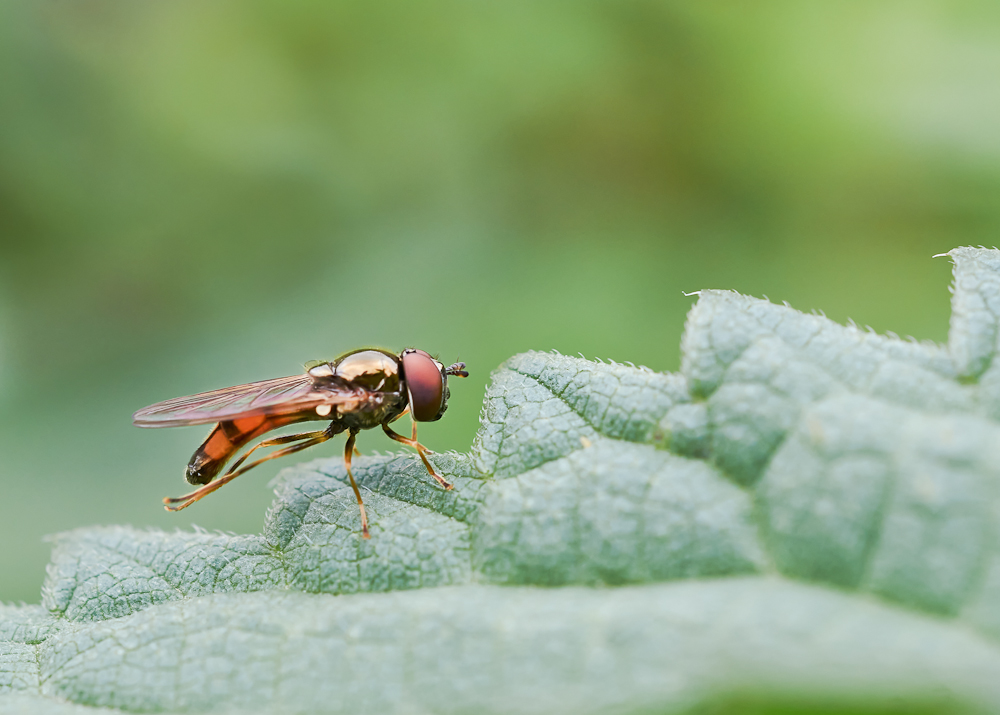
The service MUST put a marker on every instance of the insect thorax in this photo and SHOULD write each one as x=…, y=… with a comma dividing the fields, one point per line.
x=378, y=372
x=375, y=370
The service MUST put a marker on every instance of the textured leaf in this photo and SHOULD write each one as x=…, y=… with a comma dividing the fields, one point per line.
x=804, y=505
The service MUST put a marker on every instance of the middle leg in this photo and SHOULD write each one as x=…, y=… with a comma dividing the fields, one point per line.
x=348, y=453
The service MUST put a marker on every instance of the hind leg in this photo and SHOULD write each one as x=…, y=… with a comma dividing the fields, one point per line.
x=306, y=440
x=226, y=439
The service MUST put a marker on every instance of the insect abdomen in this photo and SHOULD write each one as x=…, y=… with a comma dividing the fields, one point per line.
x=227, y=438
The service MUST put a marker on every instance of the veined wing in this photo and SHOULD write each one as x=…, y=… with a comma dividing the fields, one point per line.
x=281, y=395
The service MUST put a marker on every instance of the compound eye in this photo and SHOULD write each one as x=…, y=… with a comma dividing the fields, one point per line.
x=425, y=384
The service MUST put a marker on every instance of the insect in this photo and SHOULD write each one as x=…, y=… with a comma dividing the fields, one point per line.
x=361, y=389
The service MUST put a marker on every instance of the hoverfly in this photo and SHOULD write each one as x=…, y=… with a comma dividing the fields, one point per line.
x=361, y=389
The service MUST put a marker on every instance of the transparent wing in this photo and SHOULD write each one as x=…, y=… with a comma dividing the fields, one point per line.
x=281, y=395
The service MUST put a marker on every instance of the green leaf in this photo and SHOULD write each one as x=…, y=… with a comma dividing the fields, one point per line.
x=804, y=506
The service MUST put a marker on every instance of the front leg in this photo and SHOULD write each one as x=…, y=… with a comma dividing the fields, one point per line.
x=421, y=450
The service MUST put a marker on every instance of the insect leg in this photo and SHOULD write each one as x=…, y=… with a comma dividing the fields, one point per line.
x=178, y=503
x=421, y=450
x=274, y=442
x=225, y=440
x=348, y=453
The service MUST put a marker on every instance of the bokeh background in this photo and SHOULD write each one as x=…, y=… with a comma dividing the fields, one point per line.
x=196, y=194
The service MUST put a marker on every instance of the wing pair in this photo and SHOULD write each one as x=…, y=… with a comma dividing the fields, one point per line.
x=281, y=395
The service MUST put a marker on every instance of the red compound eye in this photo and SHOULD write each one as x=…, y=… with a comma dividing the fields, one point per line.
x=425, y=384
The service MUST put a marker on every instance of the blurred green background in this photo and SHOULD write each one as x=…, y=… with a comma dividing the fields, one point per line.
x=199, y=194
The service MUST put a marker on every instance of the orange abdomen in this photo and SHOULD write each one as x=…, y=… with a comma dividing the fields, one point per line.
x=227, y=438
